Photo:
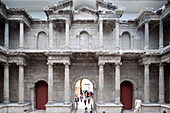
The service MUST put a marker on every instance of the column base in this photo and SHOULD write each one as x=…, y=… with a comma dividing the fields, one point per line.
x=100, y=102
x=101, y=47
x=146, y=102
x=67, y=47
x=161, y=102
x=66, y=103
x=50, y=102
x=21, y=102
x=6, y=102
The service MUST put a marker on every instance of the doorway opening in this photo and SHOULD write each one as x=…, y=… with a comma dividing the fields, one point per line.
x=126, y=95
x=41, y=95
x=84, y=95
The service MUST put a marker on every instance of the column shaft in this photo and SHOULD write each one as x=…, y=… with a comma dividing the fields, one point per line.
x=21, y=41
x=161, y=34
x=101, y=84
x=67, y=34
x=6, y=83
x=146, y=35
x=146, y=84
x=50, y=82
x=67, y=85
x=117, y=36
x=117, y=83
x=50, y=34
x=161, y=83
x=21, y=84
x=100, y=33
x=6, y=41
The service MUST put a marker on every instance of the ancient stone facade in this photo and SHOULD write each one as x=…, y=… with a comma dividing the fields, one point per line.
x=82, y=42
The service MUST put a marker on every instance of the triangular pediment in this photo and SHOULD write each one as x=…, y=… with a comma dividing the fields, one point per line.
x=85, y=13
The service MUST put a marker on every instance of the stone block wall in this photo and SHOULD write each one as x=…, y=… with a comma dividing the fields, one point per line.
x=154, y=38
x=14, y=36
x=13, y=83
x=2, y=30
x=167, y=83
x=1, y=82
x=154, y=83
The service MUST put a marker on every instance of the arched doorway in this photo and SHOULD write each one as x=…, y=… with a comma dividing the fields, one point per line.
x=126, y=95
x=84, y=90
x=41, y=95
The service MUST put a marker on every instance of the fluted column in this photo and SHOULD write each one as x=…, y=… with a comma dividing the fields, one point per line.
x=101, y=33
x=6, y=83
x=6, y=41
x=50, y=34
x=161, y=83
x=146, y=84
x=67, y=32
x=101, y=83
x=21, y=39
x=50, y=82
x=67, y=85
x=21, y=84
x=117, y=82
x=117, y=35
x=161, y=40
x=146, y=35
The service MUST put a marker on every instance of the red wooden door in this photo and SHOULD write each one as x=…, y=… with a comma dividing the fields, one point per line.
x=126, y=95
x=41, y=95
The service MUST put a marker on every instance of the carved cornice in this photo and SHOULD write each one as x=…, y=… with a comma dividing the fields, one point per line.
x=107, y=5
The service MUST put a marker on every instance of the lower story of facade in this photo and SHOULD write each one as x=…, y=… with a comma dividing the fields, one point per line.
x=50, y=85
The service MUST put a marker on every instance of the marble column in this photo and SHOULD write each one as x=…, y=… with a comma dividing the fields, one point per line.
x=117, y=35
x=6, y=83
x=21, y=84
x=101, y=84
x=67, y=33
x=50, y=34
x=117, y=82
x=161, y=83
x=161, y=40
x=6, y=41
x=21, y=40
x=146, y=84
x=50, y=82
x=100, y=34
x=67, y=85
x=146, y=35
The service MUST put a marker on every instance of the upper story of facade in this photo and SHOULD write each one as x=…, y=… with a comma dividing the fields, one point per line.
x=85, y=28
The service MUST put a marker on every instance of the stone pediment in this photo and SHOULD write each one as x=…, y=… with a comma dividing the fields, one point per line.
x=85, y=13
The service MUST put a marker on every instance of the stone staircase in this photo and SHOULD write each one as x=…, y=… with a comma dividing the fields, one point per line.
x=38, y=111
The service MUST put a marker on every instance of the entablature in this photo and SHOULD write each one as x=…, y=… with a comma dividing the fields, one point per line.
x=108, y=59
x=149, y=60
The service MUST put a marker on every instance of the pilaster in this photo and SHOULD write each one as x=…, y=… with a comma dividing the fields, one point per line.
x=50, y=82
x=67, y=85
x=67, y=33
x=117, y=82
x=21, y=39
x=101, y=84
x=146, y=35
x=117, y=35
x=161, y=41
x=21, y=83
x=100, y=33
x=146, y=83
x=50, y=34
x=6, y=83
x=161, y=83
x=6, y=41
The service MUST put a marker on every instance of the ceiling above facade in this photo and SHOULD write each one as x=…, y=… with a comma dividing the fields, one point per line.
x=132, y=6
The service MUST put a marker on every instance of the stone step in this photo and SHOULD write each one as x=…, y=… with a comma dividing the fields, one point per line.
x=128, y=111
x=38, y=111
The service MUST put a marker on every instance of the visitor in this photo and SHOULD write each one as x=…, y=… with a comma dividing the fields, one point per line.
x=86, y=111
x=85, y=99
x=164, y=111
x=89, y=100
x=121, y=111
x=25, y=111
x=81, y=97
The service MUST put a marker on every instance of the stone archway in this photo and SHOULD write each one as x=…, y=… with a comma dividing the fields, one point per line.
x=94, y=90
